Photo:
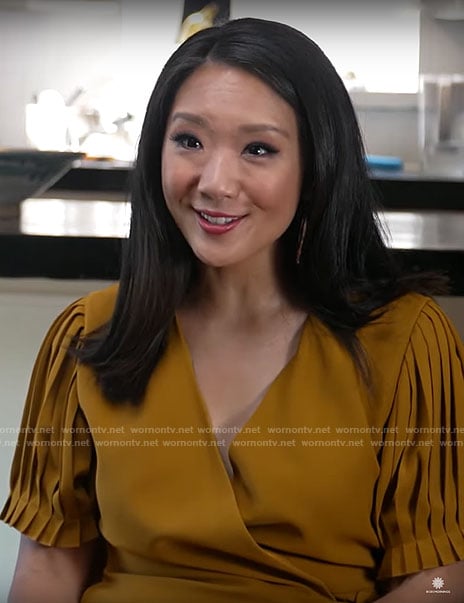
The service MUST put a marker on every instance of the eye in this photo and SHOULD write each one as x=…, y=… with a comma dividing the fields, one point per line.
x=259, y=149
x=186, y=141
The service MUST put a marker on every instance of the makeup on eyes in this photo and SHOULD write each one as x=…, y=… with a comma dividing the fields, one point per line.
x=255, y=148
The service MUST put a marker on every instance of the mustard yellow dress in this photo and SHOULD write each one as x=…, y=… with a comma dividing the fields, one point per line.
x=331, y=490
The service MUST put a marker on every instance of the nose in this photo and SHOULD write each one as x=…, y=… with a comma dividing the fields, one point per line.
x=219, y=176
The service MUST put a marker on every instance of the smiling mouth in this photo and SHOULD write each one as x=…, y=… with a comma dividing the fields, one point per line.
x=219, y=220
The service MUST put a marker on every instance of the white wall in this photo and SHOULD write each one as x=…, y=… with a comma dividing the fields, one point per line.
x=116, y=50
x=356, y=36
x=42, y=49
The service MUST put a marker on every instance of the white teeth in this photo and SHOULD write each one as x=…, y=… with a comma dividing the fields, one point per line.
x=217, y=220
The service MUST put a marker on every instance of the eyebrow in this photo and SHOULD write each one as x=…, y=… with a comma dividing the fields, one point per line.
x=258, y=127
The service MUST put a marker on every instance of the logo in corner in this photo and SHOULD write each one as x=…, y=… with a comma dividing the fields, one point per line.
x=438, y=583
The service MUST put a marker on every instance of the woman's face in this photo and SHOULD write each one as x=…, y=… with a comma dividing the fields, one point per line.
x=231, y=166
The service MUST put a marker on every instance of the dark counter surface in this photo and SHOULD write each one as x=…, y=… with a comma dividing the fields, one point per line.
x=82, y=238
x=410, y=189
x=76, y=230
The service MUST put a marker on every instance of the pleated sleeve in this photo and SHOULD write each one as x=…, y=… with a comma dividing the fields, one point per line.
x=420, y=495
x=52, y=494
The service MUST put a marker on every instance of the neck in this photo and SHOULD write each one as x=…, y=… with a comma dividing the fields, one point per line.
x=241, y=293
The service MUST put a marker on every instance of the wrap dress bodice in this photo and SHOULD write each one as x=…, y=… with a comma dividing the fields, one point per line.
x=325, y=494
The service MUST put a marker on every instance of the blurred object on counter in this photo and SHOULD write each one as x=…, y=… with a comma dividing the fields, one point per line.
x=387, y=163
x=108, y=138
x=441, y=123
x=199, y=15
x=353, y=83
x=47, y=122
x=91, y=121
x=27, y=173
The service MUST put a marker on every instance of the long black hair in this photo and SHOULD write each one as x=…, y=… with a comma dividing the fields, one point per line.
x=345, y=275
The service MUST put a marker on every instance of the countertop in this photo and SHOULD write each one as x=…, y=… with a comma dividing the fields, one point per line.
x=76, y=230
x=404, y=189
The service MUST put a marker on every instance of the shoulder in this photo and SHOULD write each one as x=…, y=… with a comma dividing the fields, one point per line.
x=391, y=331
x=98, y=307
x=411, y=318
x=78, y=319
x=89, y=312
x=411, y=335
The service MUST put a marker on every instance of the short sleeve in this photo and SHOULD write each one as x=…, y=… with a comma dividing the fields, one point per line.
x=52, y=494
x=420, y=495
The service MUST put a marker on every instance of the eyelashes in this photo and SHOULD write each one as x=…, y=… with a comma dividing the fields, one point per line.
x=260, y=148
x=186, y=141
x=190, y=142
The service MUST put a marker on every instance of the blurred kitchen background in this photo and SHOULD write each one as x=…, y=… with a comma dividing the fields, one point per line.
x=101, y=59
x=75, y=75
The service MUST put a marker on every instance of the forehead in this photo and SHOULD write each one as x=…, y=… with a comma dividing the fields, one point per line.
x=227, y=92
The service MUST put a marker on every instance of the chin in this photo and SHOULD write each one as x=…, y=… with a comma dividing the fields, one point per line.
x=215, y=261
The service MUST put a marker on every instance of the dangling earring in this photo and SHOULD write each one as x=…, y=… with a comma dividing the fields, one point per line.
x=301, y=238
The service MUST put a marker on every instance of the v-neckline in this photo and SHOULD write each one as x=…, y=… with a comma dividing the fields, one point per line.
x=257, y=410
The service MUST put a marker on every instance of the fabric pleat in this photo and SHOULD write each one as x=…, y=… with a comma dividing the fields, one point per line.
x=420, y=496
x=52, y=491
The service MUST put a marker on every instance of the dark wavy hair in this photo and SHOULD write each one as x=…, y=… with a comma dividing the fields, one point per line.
x=346, y=273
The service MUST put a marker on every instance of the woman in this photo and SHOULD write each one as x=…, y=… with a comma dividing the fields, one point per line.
x=253, y=414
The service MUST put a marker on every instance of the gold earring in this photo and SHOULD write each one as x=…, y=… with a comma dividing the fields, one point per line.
x=301, y=238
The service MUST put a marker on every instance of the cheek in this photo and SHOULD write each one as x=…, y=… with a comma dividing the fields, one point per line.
x=280, y=195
